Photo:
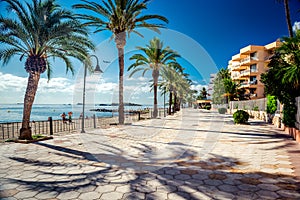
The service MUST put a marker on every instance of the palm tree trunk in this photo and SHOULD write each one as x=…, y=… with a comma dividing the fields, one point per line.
x=288, y=17
x=155, y=74
x=175, y=103
x=120, y=40
x=121, y=80
x=32, y=85
x=170, y=103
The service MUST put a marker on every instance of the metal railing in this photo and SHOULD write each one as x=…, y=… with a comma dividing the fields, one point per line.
x=11, y=130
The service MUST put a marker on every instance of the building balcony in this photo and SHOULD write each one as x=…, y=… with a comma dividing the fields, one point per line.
x=236, y=76
x=249, y=60
x=245, y=73
x=237, y=57
x=251, y=48
x=250, y=84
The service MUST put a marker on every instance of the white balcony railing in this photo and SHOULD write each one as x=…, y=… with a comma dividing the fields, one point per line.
x=248, y=59
x=245, y=72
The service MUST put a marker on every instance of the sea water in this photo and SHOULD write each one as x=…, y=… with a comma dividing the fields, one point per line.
x=41, y=112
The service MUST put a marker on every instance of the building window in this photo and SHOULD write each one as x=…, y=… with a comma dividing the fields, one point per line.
x=252, y=90
x=253, y=80
x=253, y=55
x=253, y=68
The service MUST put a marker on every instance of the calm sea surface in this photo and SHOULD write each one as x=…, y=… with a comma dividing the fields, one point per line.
x=14, y=112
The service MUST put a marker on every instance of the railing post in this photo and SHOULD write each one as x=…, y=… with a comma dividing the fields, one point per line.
x=50, y=125
x=94, y=119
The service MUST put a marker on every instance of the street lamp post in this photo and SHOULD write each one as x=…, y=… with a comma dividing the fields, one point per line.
x=164, y=103
x=97, y=70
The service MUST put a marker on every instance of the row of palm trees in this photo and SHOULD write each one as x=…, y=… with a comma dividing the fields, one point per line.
x=162, y=61
x=42, y=29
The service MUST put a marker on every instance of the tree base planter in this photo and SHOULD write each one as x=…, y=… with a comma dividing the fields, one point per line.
x=33, y=140
x=293, y=132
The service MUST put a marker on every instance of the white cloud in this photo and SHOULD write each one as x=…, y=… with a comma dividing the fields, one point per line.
x=64, y=90
x=13, y=89
x=296, y=26
x=198, y=87
x=9, y=82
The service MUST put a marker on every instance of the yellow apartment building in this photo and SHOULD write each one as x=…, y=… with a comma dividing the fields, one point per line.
x=247, y=66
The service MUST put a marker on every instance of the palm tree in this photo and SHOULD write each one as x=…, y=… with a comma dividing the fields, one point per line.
x=39, y=31
x=176, y=83
x=153, y=58
x=287, y=16
x=283, y=77
x=121, y=17
x=203, y=94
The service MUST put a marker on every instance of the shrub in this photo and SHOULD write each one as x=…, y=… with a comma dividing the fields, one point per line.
x=271, y=104
x=255, y=108
x=289, y=111
x=222, y=110
x=207, y=107
x=240, y=117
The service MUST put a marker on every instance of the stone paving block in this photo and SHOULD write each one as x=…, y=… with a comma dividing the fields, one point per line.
x=266, y=194
x=171, y=171
x=9, y=186
x=243, y=195
x=89, y=195
x=8, y=193
x=185, y=188
x=106, y=188
x=289, y=194
x=200, y=176
x=220, y=195
x=86, y=188
x=179, y=195
x=145, y=189
x=68, y=195
x=182, y=177
x=268, y=187
x=47, y=195
x=133, y=195
x=229, y=188
x=25, y=194
x=123, y=188
x=212, y=182
x=248, y=187
x=166, y=188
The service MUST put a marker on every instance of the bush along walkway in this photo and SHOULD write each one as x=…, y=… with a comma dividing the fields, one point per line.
x=190, y=155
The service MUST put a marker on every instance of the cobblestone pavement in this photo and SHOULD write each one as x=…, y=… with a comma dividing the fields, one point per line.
x=190, y=155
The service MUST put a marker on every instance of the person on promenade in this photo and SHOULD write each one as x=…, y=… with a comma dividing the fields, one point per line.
x=63, y=116
x=70, y=116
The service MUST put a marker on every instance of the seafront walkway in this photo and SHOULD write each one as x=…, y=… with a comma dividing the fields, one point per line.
x=194, y=154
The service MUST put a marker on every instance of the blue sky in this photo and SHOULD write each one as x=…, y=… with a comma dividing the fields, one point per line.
x=205, y=33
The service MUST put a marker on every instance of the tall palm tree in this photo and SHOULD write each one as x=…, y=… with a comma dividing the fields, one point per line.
x=154, y=56
x=287, y=16
x=121, y=17
x=41, y=30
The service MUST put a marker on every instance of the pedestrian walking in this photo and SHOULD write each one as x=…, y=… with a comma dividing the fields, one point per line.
x=70, y=116
x=63, y=117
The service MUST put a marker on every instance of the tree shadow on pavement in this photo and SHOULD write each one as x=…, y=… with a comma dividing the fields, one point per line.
x=150, y=176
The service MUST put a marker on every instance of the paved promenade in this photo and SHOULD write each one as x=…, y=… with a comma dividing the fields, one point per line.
x=194, y=154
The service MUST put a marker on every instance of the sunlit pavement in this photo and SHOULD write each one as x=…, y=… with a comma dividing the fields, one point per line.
x=193, y=154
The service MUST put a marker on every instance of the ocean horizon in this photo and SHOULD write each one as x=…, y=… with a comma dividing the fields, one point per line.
x=41, y=112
